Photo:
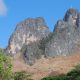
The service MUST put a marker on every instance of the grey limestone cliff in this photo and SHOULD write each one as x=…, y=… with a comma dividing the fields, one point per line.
x=26, y=32
x=33, y=39
x=67, y=39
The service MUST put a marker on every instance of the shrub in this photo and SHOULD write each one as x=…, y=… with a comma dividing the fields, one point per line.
x=22, y=76
x=5, y=67
x=56, y=78
x=75, y=73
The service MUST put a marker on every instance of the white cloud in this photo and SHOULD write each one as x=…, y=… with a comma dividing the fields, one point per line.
x=3, y=8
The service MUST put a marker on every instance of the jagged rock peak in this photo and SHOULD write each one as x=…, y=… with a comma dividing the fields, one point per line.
x=71, y=19
x=32, y=36
x=71, y=13
x=33, y=22
x=26, y=32
x=59, y=25
x=66, y=37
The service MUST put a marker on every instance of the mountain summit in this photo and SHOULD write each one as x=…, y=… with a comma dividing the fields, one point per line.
x=27, y=32
x=66, y=35
x=33, y=39
x=26, y=37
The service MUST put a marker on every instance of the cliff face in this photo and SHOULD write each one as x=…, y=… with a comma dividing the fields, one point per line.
x=26, y=32
x=66, y=35
x=33, y=39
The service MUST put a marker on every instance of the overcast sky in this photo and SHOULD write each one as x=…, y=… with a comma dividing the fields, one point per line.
x=14, y=11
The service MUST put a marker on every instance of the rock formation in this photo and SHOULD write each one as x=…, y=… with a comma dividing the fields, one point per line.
x=27, y=33
x=33, y=39
x=67, y=39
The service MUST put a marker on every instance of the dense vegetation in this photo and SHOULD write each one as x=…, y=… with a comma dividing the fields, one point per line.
x=56, y=78
x=5, y=67
x=6, y=72
x=72, y=75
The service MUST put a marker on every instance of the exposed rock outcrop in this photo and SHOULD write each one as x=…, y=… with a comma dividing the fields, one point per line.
x=27, y=32
x=67, y=39
x=33, y=39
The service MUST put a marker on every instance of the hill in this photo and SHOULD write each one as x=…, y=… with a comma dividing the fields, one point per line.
x=40, y=52
x=47, y=66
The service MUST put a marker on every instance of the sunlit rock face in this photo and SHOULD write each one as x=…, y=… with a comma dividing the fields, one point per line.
x=33, y=39
x=66, y=35
x=71, y=16
x=26, y=32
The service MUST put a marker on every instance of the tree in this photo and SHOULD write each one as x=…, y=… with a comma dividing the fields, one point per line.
x=5, y=67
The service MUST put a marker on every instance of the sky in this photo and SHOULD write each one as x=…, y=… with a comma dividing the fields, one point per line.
x=14, y=11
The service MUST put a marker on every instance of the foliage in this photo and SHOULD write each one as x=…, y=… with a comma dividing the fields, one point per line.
x=72, y=75
x=56, y=78
x=22, y=76
x=5, y=67
x=75, y=73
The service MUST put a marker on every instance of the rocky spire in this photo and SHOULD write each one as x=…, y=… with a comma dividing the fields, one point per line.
x=31, y=36
x=27, y=31
x=66, y=35
x=71, y=16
